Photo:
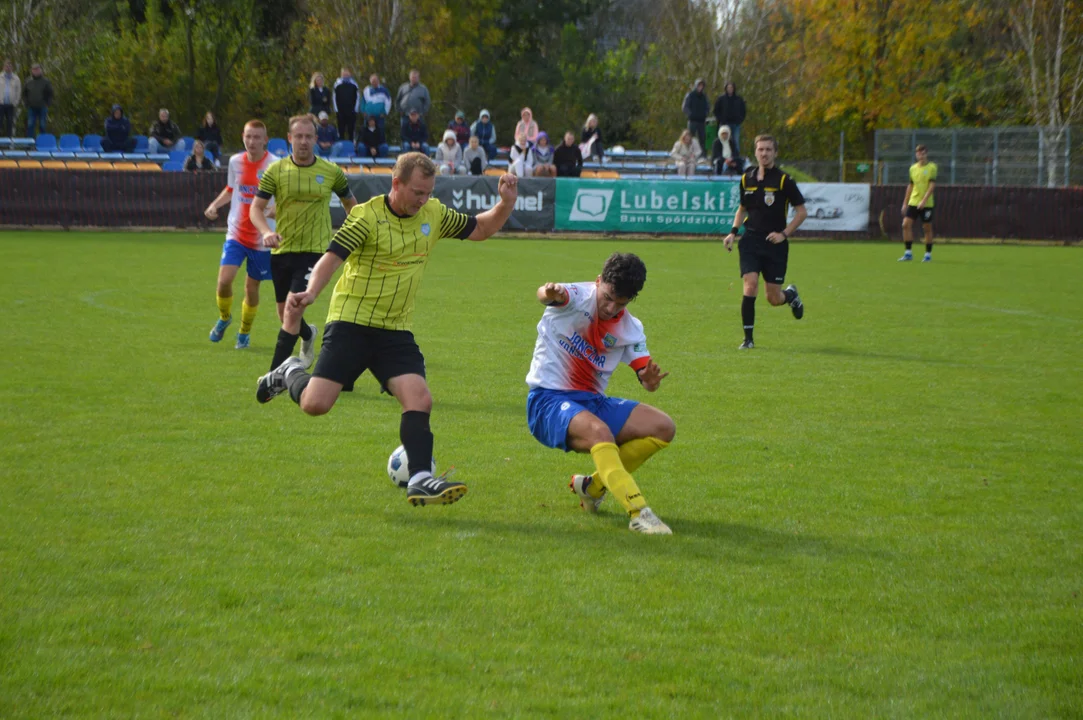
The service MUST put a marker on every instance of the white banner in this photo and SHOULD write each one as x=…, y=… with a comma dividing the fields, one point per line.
x=842, y=207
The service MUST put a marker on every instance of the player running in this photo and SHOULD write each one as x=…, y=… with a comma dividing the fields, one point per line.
x=919, y=203
x=584, y=333
x=385, y=245
x=243, y=243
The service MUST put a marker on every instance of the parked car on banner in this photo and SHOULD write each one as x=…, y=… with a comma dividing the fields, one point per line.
x=819, y=207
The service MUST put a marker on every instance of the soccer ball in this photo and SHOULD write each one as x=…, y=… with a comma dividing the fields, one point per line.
x=398, y=467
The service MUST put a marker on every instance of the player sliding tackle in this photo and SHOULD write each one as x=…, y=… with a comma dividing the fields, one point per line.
x=584, y=333
x=385, y=244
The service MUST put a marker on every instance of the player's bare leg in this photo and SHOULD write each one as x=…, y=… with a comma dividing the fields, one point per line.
x=224, y=297
x=776, y=295
x=908, y=238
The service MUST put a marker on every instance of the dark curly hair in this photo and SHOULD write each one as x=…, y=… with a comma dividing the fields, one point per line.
x=626, y=273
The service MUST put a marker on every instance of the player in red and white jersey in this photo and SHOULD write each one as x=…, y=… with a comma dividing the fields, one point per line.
x=243, y=242
x=584, y=333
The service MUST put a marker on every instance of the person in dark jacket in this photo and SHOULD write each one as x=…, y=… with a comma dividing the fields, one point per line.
x=319, y=97
x=347, y=101
x=326, y=136
x=118, y=132
x=372, y=141
x=37, y=96
x=696, y=107
x=591, y=144
x=198, y=160
x=165, y=135
x=729, y=109
x=211, y=135
x=567, y=157
x=415, y=136
x=486, y=134
x=461, y=129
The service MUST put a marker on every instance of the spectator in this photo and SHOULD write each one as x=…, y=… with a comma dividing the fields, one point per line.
x=319, y=97
x=591, y=144
x=526, y=126
x=521, y=163
x=118, y=132
x=11, y=94
x=543, y=157
x=326, y=136
x=724, y=157
x=373, y=140
x=485, y=133
x=164, y=134
x=415, y=136
x=347, y=102
x=695, y=108
x=37, y=96
x=729, y=109
x=449, y=155
x=686, y=151
x=198, y=160
x=568, y=158
x=376, y=101
x=474, y=157
x=461, y=129
x=412, y=96
x=211, y=135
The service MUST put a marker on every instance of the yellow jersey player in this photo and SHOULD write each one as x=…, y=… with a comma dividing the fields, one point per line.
x=385, y=244
x=918, y=204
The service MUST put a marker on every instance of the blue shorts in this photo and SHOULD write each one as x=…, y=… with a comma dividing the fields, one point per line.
x=259, y=261
x=548, y=413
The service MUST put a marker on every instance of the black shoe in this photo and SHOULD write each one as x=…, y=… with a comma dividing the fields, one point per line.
x=273, y=383
x=747, y=345
x=796, y=305
x=435, y=491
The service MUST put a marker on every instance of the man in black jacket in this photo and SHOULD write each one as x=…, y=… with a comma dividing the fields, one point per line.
x=729, y=109
x=695, y=108
x=347, y=103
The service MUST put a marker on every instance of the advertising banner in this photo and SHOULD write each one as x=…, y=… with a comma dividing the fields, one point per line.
x=835, y=207
x=655, y=206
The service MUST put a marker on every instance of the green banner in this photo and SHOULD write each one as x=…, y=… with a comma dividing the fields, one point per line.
x=648, y=206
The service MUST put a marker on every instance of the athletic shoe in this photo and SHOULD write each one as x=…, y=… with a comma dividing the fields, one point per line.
x=747, y=345
x=273, y=383
x=928, y=257
x=435, y=491
x=242, y=341
x=308, y=348
x=649, y=524
x=588, y=502
x=907, y=257
x=796, y=305
x=219, y=329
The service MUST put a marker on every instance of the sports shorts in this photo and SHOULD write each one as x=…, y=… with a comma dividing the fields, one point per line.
x=290, y=272
x=549, y=412
x=257, y=262
x=924, y=214
x=350, y=349
x=759, y=256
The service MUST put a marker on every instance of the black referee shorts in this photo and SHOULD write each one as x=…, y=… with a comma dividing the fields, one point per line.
x=290, y=272
x=350, y=349
x=925, y=215
x=762, y=257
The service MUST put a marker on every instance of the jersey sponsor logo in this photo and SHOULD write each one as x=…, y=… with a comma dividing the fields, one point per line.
x=564, y=406
x=319, y=179
x=768, y=198
x=609, y=341
x=579, y=347
x=425, y=228
x=591, y=205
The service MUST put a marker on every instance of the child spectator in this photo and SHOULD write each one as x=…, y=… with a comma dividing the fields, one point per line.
x=568, y=158
x=462, y=130
x=543, y=157
x=526, y=126
x=591, y=143
x=475, y=158
x=449, y=155
x=521, y=163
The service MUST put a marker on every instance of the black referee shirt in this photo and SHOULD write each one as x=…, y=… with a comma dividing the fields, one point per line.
x=768, y=201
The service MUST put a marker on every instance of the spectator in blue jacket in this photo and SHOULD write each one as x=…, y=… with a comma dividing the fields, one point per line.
x=484, y=131
x=376, y=101
x=118, y=132
x=326, y=136
x=415, y=136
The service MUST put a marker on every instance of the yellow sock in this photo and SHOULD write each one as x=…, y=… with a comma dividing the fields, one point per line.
x=616, y=479
x=632, y=455
x=225, y=307
x=248, y=316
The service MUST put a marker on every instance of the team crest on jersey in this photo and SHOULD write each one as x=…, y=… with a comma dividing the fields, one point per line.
x=768, y=198
x=319, y=179
x=609, y=341
x=259, y=174
x=425, y=228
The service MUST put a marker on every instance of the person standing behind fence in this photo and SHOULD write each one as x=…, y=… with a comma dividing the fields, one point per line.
x=11, y=94
x=347, y=102
x=37, y=96
x=412, y=96
x=729, y=109
x=918, y=203
x=319, y=97
x=376, y=101
x=695, y=107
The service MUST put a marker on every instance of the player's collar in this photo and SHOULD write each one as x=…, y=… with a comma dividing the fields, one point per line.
x=387, y=204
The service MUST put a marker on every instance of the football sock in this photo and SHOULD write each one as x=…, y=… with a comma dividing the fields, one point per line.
x=225, y=307
x=306, y=331
x=928, y=247
x=416, y=438
x=632, y=455
x=248, y=316
x=748, y=315
x=283, y=348
x=296, y=381
x=616, y=479
x=789, y=294
x=908, y=244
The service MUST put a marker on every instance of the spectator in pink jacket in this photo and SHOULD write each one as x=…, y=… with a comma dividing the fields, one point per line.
x=527, y=126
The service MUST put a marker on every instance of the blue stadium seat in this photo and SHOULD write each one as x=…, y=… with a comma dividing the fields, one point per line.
x=177, y=155
x=39, y=155
x=635, y=153
x=63, y=155
x=141, y=143
x=632, y=176
x=657, y=154
x=394, y=149
x=23, y=143
x=86, y=156
x=70, y=143
x=341, y=160
x=164, y=157
x=188, y=142
x=385, y=161
x=278, y=146
x=111, y=156
x=653, y=176
x=638, y=167
x=92, y=143
x=6, y=143
x=592, y=166
x=701, y=178
x=133, y=156
x=173, y=166
x=498, y=163
x=364, y=160
x=342, y=149
x=13, y=153
x=45, y=142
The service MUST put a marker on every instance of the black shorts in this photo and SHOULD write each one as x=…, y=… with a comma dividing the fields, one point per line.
x=290, y=272
x=761, y=257
x=350, y=349
x=925, y=214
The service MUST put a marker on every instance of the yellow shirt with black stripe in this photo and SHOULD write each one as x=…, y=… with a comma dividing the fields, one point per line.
x=385, y=256
x=302, y=196
x=920, y=177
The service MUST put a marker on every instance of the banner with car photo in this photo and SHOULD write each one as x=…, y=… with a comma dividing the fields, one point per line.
x=835, y=207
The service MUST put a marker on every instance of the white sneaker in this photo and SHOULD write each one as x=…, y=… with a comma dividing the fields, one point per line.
x=649, y=524
x=308, y=348
x=588, y=502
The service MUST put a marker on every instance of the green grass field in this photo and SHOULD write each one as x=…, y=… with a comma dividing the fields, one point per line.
x=877, y=513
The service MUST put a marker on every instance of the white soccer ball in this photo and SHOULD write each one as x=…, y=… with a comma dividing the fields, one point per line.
x=398, y=467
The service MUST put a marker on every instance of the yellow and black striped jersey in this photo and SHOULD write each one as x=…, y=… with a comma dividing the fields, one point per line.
x=920, y=177
x=385, y=256
x=302, y=195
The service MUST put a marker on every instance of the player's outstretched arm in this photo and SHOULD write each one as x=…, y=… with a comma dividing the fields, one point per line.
x=259, y=220
x=490, y=221
x=552, y=294
x=322, y=273
x=651, y=376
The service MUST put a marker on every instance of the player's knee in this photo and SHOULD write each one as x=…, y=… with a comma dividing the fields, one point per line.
x=315, y=406
x=420, y=401
x=665, y=429
x=225, y=289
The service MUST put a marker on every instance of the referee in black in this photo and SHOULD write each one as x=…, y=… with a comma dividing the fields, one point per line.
x=766, y=196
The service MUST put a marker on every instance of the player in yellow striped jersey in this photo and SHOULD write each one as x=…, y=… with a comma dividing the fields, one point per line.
x=385, y=244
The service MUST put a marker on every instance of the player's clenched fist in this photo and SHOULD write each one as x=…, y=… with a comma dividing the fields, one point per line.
x=508, y=187
x=553, y=294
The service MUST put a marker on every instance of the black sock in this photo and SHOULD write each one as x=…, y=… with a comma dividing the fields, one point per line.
x=928, y=247
x=306, y=331
x=789, y=293
x=748, y=315
x=417, y=440
x=283, y=348
x=297, y=381
x=908, y=244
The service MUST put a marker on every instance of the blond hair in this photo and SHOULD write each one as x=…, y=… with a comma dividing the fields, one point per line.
x=765, y=138
x=312, y=81
x=307, y=117
x=408, y=162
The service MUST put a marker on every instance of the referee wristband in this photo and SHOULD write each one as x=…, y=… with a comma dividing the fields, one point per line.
x=734, y=230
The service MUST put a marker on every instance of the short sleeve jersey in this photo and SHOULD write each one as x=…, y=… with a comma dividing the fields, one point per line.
x=385, y=256
x=576, y=350
x=768, y=201
x=302, y=194
x=920, y=177
x=243, y=178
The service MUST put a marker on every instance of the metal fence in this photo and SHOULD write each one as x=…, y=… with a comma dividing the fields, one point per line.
x=1017, y=156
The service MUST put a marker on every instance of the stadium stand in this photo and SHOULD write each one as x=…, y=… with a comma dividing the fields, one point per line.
x=77, y=165
x=173, y=166
x=101, y=165
x=9, y=164
x=278, y=146
x=124, y=166
x=29, y=164
x=53, y=165
x=142, y=143
x=92, y=143
x=45, y=142
x=342, y=149
x=148, y=166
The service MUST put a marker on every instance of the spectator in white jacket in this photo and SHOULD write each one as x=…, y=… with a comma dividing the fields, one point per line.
x=686, y=152
x=449, y=155
x=11, y=94
x=521, y=162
